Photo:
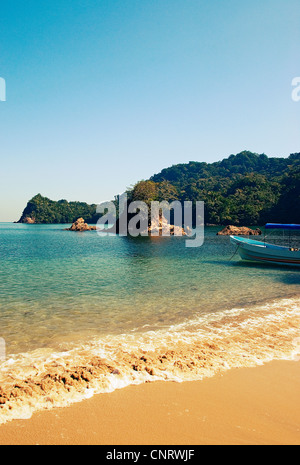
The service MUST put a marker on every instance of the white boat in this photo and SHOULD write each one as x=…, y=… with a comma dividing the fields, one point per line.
x=257, y=251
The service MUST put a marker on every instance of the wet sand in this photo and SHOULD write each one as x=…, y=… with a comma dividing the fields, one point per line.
x=243, y=406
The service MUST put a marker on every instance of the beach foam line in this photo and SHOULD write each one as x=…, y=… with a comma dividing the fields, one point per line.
x=192, y=350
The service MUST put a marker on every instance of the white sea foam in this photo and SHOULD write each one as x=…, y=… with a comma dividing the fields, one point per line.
x=191, y=350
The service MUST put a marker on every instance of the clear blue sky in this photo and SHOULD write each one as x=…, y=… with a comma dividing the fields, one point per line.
x=103, y=93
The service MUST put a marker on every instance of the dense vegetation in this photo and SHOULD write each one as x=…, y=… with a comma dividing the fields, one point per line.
x=244, y=189
x=43, y=210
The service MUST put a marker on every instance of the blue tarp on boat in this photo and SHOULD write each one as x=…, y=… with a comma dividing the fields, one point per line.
x=282, y=226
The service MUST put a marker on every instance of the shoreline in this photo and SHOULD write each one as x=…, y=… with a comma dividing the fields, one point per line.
x=190, y=352
x=258, y=405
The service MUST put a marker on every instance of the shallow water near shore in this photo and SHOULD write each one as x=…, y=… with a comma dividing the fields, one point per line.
x=81, y=314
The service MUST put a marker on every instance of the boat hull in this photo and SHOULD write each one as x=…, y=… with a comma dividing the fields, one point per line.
x=256, y=251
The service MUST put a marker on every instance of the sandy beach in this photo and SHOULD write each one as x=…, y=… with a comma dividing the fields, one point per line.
x=243, y=406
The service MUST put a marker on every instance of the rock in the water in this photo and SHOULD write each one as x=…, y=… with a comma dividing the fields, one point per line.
x=29, y=220
x=239, y=231
x=163, y=228
x=80, y=226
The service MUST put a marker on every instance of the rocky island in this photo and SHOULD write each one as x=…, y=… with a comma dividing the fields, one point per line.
x=80, y=226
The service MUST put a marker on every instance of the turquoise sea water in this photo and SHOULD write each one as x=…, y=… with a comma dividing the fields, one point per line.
x=56, y=285
x=60, y=290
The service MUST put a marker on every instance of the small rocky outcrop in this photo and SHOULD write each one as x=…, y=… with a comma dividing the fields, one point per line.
x=239, y=231
x=28, y=220
x=158, y=227
x=81, y=226
x=162, y=227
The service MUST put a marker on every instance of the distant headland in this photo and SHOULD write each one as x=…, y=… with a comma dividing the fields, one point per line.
x=243, y=189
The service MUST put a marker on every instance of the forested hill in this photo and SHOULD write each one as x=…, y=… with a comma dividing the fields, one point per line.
x=45, y=211
x=244, y=189
x=239, y=165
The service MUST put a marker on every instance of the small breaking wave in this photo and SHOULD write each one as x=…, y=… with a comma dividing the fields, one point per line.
x=192, y=350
